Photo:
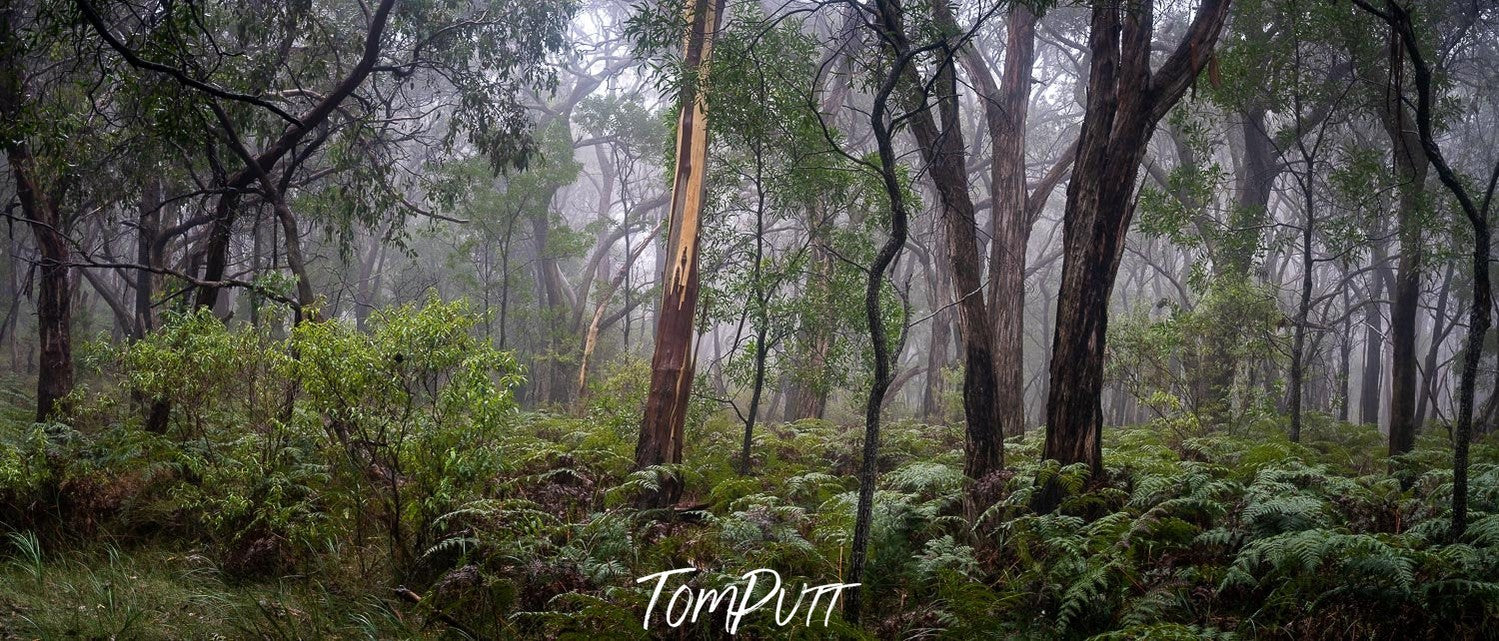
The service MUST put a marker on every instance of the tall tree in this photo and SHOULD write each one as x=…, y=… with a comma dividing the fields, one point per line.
x=1015, y=205
x=41, y=190
x=1410, y=172
x=661, y=429
x=940, y=139
x=1126, y=99
x=1476, y=210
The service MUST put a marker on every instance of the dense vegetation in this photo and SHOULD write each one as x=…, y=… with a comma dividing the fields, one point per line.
x=268, y=509
x=983, y=319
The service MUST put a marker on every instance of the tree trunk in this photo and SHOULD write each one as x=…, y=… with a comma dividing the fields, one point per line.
x=1303, y=305
x=1011, y=214
x=939, y=292
x=661, y=429
x=891, y=25
x=54, y=294
x=1368, y=402
x=591, y=336
x=1439, y=330
x=1345, y=358
x=39, y=209
x=1125, y=101
x=1410, y=170
x=762, y=313
x=1478, y=218
x=942, y=150
x=548, y=372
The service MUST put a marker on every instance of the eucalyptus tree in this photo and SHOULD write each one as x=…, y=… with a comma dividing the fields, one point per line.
x=672, y=365
x=35, y=127
x=1398, y=17
x=1126, y=99
x=241, y=79
x=940, y=141
x=1015, y=204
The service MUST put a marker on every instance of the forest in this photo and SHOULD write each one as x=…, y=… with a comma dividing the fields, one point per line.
x=704, y=319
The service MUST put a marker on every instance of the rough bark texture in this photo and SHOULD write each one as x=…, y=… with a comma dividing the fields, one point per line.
x=661, y=430
x=1125, y=101
x=1410, y=171
x=39, y=209
x=54, y=292
x=157, y=412
x=890, y=178
x=942, y=150
x=1005, y=113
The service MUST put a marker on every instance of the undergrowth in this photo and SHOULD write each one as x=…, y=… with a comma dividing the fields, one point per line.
x=252, y=518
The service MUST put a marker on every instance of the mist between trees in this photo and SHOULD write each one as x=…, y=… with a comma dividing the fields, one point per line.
x=1021, y=319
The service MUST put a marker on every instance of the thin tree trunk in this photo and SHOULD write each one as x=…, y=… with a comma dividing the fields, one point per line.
x=591, y=336
x=1298, y=344
x=891, y=25
x=762, y=314
x=1439, y=330
x=939, y=292
x=1368, y=402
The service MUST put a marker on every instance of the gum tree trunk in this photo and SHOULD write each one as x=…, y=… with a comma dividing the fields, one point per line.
x=661, y=429
x=1125, y=101
x=1410, y=170
x=39, y=210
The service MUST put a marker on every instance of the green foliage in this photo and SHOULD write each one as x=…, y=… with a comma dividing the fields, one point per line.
x=1188, y=359
x=519, y=525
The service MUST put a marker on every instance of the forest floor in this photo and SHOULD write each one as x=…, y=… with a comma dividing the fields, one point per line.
x=1193, y=533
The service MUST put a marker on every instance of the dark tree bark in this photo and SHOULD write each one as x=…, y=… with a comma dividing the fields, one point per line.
x=762, y=314
x=157, y=411
x=892, y=30
x=1372, y=373
x=1345, y=357
x=1410, y=171
x=942, y=149
x=1477, y=213
x=1014, y=209
x=54, y=292
x=1309, y=149
x=1125, y=101
x=661, y=429
x=40, y=203
x=1298, y=344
